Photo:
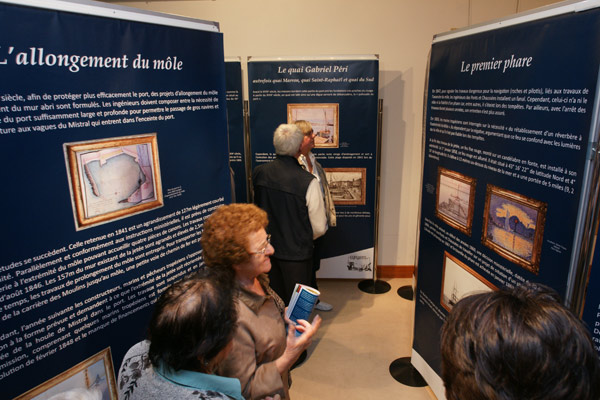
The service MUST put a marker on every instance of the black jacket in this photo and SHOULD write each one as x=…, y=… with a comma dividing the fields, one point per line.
x=280, y=189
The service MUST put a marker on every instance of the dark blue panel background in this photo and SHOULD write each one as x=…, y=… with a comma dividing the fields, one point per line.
x=357, y=132
x=564, y=51
x=235, y=121
x=38, y=214
x=591, y=309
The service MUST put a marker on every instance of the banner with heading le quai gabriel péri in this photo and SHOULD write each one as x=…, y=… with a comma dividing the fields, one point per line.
x=339, y=98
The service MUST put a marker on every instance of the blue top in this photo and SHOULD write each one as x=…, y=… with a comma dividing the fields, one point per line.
x=198, y=380
x=139, y=380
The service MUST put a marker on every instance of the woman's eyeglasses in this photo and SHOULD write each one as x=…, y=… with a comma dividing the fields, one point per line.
x=263, y=250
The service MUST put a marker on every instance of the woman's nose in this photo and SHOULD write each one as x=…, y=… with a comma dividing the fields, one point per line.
x=270, y=249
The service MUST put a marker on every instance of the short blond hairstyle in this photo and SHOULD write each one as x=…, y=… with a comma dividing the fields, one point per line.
x=305, y=126
x=225, y=236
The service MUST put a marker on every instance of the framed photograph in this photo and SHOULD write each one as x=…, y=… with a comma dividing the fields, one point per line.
x=113, y=178
x=347, y=185
x=324, y=118
x=95, y=374
x=459, y=280
x=513, y=226
x=455, y=199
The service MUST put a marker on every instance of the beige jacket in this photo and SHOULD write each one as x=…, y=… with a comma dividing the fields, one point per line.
x=259, y=340
x=328, y=200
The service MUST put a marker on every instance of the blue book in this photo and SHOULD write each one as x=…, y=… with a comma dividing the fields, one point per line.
x=304, y=298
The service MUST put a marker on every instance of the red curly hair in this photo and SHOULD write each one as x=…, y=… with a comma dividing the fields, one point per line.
x=225, y=236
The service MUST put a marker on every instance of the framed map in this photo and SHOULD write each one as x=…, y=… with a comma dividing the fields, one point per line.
x=113, y=178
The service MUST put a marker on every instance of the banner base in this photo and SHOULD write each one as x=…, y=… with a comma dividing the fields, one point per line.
x=402, y=370
x=373, y=286
x=406, y=292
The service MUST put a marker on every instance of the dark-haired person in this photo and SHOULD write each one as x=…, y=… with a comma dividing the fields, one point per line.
x=519, y=344
x=234, y=242
x=189, y=334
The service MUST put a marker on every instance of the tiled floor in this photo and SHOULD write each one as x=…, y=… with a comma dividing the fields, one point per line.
x=357, y=342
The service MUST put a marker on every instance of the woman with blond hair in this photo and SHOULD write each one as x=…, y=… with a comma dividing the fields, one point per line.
x=307, y=160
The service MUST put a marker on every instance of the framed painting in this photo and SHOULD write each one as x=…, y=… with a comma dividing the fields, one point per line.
x=96, y=374
x=113, y=178
x=455, y=199
x=347, y=185
x=459, y=280
x=324, y=118
x=513, y=226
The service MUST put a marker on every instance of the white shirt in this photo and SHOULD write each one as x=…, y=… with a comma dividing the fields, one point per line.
x=316, y=209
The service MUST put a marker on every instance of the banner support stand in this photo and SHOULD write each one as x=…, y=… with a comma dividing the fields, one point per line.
x=374, y=286
x=406, y=292
x=403, y=371
x=248, y=150
x=401, y=368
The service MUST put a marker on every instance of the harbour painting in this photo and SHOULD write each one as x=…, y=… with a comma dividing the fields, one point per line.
x=91, y=378
x=459, y=280
x=324, y=119
x=514, y=226
x=455, y=199
x=347, y=185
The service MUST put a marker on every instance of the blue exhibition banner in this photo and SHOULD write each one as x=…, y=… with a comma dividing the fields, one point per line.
x=235, y=124
x=114, y=148
x=339, y=98
x=591, y=308
x=507, y=125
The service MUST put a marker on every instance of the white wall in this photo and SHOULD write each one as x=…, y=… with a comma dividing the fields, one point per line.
x=400, y=31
